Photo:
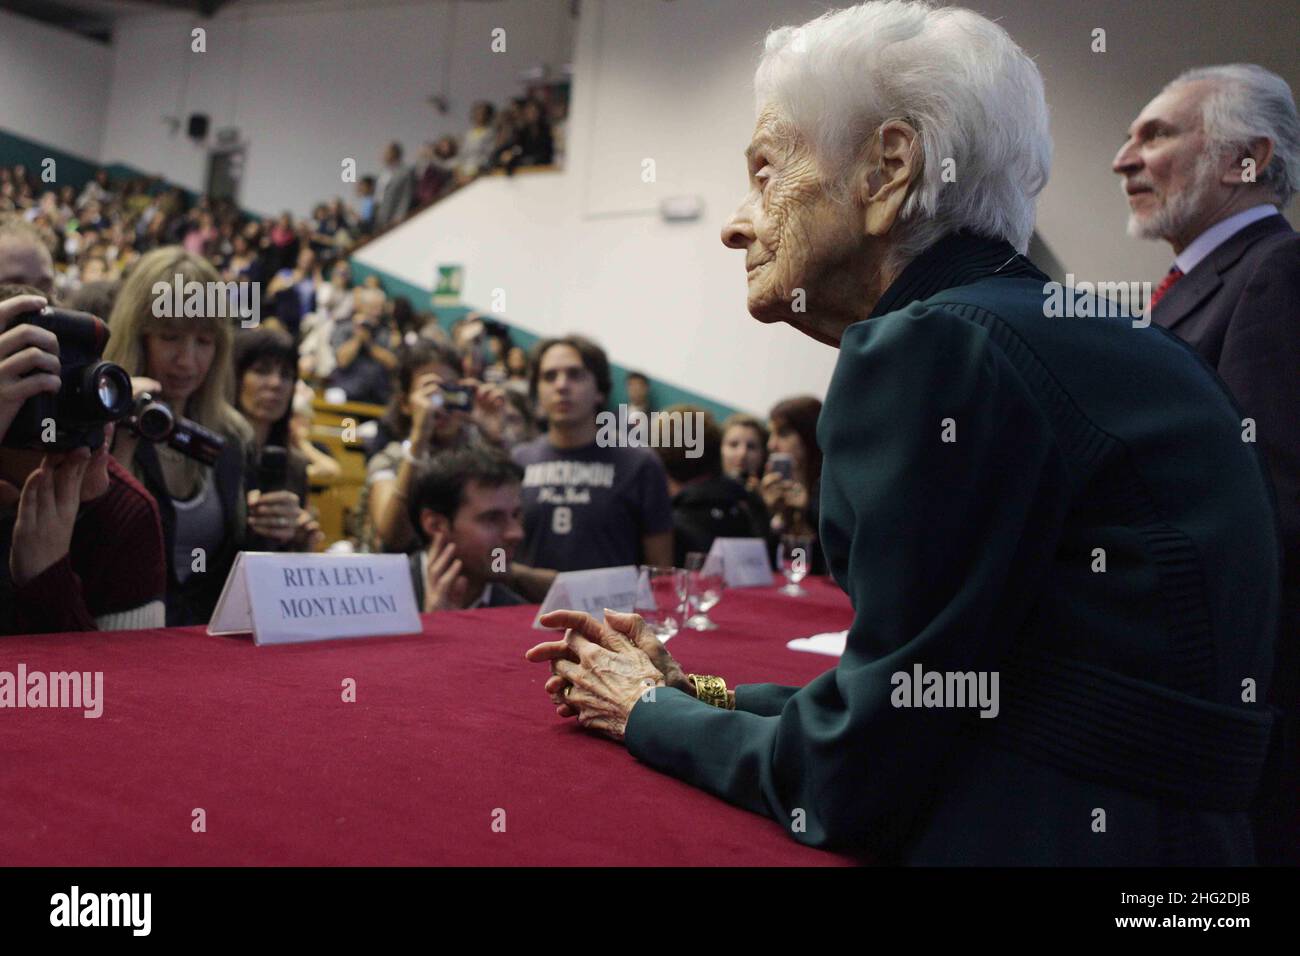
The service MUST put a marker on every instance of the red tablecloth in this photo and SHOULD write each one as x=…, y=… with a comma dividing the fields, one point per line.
x=447, y=729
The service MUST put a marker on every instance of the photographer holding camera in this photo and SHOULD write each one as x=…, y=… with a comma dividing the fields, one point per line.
x=433, y=410
x=364, y=345
x=69, y=515
x=195, y=469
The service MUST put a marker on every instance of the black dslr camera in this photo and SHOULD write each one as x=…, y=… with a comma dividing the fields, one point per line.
x=94, y=392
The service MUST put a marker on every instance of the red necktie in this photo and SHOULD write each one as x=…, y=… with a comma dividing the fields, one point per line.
x=1165, y=285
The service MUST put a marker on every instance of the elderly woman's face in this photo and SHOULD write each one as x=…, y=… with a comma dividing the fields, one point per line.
x=794, y=235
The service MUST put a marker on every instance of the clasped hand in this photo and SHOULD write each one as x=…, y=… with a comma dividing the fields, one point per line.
x=599, y=671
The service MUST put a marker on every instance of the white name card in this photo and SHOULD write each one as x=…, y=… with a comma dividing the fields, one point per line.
x=591, y=591
x=293, y=598
x=745, y=561
x=831, y=643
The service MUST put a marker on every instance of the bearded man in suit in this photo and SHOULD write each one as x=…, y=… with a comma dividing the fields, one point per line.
x=1206, y=167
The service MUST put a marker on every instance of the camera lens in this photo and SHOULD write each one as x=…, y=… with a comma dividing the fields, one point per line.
x=108, y=390
x=153, y=420
x=104, y=394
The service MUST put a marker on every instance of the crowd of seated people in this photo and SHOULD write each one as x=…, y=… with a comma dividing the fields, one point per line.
x=472, y=432
x=473, y=454
x=95, y=234
x=525, y=131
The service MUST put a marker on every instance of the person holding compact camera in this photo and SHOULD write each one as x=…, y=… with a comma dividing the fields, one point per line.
x=434, y=409
x=185, y=441
x=364, y=347
x=790, y=488
x=794, y=464
x=68, y=511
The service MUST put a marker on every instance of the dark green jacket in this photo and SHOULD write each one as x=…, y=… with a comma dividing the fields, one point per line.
x=978, y=454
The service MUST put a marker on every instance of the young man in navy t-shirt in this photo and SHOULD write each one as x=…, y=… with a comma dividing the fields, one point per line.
x=585, y=506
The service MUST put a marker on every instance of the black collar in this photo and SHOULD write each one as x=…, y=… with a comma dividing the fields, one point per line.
x=957, y=259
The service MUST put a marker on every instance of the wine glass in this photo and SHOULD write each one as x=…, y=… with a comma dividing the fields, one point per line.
x=661, y=599
x=706, y=582
x=794, y=557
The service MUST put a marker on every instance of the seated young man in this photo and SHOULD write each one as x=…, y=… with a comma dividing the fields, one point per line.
x=466, y=509
x=80, y=540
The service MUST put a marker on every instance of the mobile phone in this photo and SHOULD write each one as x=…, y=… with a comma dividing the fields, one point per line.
x=782, y=464
x=273, y=468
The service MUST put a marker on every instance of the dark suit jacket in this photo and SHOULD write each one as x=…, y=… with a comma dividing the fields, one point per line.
x=981, y=459
x=1240, y=309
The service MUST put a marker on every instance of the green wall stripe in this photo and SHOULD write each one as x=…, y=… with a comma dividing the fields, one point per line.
x=69, y=170
x=662, y=394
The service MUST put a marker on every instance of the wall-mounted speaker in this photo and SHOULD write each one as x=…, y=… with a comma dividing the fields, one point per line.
x=198, y=126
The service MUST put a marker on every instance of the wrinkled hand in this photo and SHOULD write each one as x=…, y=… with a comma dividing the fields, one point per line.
x=444, y=585
x=598, y=675
x=29, y=358
x=635, y=629
x=274, y=515
x=47, y=511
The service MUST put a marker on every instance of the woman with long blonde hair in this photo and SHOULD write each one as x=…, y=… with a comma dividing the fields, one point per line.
x=185, y=361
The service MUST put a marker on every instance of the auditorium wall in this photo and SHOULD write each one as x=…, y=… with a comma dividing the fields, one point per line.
x=53, y=87
x=310, y=84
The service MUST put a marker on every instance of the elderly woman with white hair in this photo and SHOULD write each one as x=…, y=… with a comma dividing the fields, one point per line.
x=1059, y=512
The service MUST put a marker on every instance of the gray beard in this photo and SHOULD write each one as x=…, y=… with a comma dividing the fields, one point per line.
x=1173, y=218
